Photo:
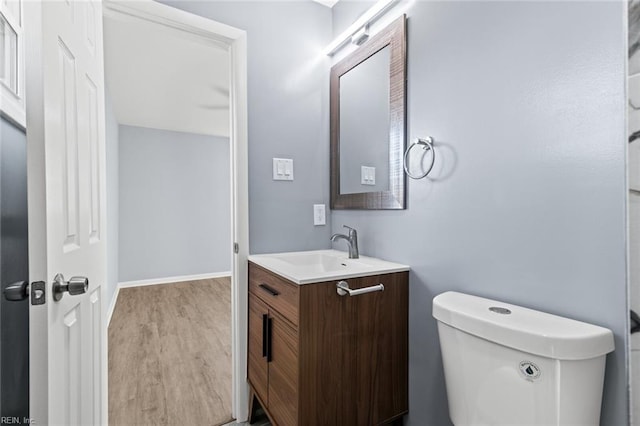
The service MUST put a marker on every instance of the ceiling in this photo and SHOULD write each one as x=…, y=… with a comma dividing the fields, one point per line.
x=165, y=78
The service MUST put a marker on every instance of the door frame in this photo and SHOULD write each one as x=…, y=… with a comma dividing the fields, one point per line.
x=235, y=41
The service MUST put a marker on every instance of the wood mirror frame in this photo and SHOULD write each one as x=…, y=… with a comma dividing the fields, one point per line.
x=393, y=36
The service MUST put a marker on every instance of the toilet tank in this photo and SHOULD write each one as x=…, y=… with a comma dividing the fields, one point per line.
x=509, y=365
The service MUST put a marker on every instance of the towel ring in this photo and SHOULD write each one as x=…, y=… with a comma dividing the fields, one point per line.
x=427, y=144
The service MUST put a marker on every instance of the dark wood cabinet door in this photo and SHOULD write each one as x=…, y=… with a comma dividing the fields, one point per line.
x=283, y=372
x=321, y=373
x=375, y=351
x=258, y=370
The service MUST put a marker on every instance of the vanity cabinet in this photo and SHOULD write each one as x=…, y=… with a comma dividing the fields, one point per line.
x=318, y=358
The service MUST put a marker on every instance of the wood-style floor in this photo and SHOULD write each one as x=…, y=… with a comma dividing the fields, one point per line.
x=170, y=354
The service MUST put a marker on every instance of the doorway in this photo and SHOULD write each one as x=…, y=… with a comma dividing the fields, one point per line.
x=187, y=106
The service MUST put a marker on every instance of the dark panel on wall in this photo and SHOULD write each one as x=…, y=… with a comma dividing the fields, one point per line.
x=14, y=266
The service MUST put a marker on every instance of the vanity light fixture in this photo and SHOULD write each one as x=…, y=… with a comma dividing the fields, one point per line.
x=360, y=36
x=359, y=28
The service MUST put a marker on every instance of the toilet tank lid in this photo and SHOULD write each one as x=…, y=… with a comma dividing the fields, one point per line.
x=521, y=328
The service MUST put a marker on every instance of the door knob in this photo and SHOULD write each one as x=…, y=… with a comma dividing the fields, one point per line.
x=17, y=291
x=76, y=285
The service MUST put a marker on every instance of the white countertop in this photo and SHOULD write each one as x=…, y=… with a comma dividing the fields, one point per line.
x=304, y=267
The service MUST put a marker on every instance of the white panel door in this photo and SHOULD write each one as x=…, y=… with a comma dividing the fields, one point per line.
x=66, y=166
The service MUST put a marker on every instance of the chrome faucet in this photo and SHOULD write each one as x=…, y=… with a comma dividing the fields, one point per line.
x=352, y=239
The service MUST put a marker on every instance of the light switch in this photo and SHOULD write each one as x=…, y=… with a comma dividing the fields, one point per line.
x=367, y=175
x=319, y=217
x=282, y=169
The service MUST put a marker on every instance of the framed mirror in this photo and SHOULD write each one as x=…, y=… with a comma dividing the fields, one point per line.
x=368, y=123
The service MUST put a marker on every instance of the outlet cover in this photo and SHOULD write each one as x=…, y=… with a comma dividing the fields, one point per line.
x=319, y=214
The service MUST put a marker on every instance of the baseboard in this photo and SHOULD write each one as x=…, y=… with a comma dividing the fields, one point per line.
x=112, y=305
x=169, y=280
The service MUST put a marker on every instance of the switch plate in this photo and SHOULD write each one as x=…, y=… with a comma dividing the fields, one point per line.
x=367, y=175
x=319, y=216
x=282, y=169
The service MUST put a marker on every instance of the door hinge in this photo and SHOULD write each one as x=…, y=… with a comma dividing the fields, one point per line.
x=236, y=248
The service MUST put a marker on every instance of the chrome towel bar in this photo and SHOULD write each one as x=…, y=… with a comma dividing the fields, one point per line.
x=342, y=287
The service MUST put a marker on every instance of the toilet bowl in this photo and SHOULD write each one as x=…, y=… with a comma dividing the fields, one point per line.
x=509, y=365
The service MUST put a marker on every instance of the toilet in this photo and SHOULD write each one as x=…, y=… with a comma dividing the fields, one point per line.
x=509, y=365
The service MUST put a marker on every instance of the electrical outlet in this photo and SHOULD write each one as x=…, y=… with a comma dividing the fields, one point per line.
x=319, y=216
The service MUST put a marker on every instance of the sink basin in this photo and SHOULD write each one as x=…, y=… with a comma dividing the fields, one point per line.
x=321, y=262
x=304, y=267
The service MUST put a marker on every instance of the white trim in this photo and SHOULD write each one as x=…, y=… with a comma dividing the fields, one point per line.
x=12, y=104
x=239, y=226
x=171, y=280
x=112, y=306
x=235, y=40
x=36, y=184
x=175, y=19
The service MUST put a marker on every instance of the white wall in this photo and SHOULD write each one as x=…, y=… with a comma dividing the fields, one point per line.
x=174, y=204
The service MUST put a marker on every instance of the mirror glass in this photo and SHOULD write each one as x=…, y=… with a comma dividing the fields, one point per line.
x=368, y=123
x=364, y=125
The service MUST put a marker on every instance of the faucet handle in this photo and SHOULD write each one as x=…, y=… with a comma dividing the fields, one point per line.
x=351, y=230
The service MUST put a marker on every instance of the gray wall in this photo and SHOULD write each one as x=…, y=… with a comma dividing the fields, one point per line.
x=526, y=102
x=288, y=85
x=111, y=143
x=174, y=204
